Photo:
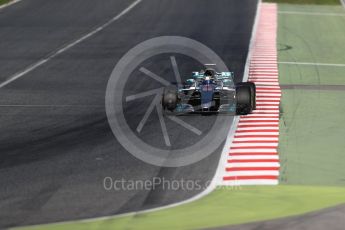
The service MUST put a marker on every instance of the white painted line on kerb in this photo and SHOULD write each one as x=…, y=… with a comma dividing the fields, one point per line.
x=67, y=47
x=8, y=4
x=311, y=13
x=312, y=64
x=251, y=182
x=255, y=157
x=253, y=173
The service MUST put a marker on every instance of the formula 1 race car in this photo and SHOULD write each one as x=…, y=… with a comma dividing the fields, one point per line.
x=210, y=92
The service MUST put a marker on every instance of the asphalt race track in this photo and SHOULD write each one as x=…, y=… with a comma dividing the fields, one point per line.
x=56, y=146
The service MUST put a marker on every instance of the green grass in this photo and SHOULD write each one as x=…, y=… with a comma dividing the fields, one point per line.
x=310, y=8
x=224, y=207
x=4, y=1
x=312, y=142
x=318, y=2
x=316, y=39
x=309, y=38
x=311, y=75
x=312, y=123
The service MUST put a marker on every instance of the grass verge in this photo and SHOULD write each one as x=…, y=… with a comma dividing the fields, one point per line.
x=224, y=207
x=2, y=2
x=314, y=39
x=312, y=123
x=312, y=132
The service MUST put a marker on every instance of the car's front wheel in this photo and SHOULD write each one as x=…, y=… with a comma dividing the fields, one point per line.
x=244, y=99
x=169, y=100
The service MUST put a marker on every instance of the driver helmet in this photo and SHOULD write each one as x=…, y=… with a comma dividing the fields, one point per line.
x=209, y=72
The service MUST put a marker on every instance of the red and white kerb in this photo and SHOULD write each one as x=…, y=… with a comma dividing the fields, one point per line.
x=253, y=157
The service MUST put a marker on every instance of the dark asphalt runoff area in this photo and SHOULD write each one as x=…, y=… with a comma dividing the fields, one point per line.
x=329, y=218
x=56, y=146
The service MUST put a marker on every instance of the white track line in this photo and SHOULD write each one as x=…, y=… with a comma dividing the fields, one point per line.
x=242, y=122
x=259, y=119
x=342, y=3
x=257, y=133
x=255, y=164
x=311, y=64
x=9, y=4
x=311, y=13
x=257, y=150
x=255, y=157
x=256, y=139
x=67, y=47
x=249, y=145
x=250, y=182
x=218, y=179
x=253, y=173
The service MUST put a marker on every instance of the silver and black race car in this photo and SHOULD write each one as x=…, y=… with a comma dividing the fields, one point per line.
x=210, y=92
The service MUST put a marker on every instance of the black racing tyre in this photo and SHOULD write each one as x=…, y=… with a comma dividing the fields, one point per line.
x=244, y=102
x=252, y=90
x=252, y=87
x=169, y=99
